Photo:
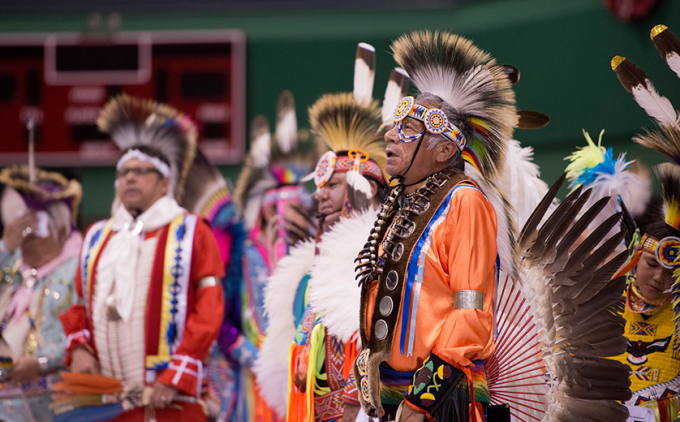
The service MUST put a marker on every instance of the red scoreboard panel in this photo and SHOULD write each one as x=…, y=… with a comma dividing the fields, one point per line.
x=62, y=80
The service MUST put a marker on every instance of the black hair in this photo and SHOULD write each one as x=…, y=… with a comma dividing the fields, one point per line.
x=659, y=229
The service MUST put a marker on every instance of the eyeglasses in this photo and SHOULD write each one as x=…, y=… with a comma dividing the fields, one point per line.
x=137, y=171
x=434, y=119
x=404, y=137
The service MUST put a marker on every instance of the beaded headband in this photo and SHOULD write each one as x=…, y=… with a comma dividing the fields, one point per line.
x=330, y=163
x=434, y=119
x=666, y=250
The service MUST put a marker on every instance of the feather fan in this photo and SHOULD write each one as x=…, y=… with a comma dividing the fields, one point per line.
x=364, y=74
x=637, y=83
x=468, y=79
x=668, y=45
x=133, y=121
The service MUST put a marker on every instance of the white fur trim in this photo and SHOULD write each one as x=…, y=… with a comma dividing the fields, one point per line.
x=334, y=292
x=163, y=168
x=271, y=366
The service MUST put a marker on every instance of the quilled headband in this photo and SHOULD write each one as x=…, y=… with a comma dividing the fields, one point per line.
x=434, y=119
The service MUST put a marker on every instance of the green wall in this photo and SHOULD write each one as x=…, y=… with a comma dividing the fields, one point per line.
x=562, y=48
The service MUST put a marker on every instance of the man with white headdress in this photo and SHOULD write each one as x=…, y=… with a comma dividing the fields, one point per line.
x=148, y=279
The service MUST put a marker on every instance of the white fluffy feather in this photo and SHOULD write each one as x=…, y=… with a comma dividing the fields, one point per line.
x=656, y=106
x=673, y=60
x=393, y=94
x=261, y=149
x=271, y=366
x=334, y=292
x=359, y=183
x=504, y=242
x=520, y=181
x=364, y=76
x=286, y=131
x=462, y=91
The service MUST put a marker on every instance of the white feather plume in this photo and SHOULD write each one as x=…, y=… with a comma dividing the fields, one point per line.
x=286, y=123
x=271, y=366
x=656, y=106
x=364, y=74
x=261, y=149
x=397, y=87
x=673, y=60
x=520, y=181
x=505, y=244
x=359, y=183
x=333, y=292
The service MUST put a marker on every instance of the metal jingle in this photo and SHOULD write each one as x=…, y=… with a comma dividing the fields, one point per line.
x=428, y=190
x=392, y=280
x=380, y=329
x=386, y=306
x=364, y=272
x=398, y=252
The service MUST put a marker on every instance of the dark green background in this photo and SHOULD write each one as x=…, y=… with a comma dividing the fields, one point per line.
x=563, y=49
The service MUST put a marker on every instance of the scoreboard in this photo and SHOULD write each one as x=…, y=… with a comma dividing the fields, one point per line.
x=62, y=80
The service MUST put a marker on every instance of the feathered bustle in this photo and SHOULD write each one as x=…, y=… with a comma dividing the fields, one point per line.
x=271, y=366
x=202, y=185
x=343, y=125
x=468, y=79
x=521, y=181
x=132, y=121
x=333, y=291
x=577, y=307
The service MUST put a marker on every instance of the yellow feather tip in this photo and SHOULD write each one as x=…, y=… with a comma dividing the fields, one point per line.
x=657, y=30
x=586, y=157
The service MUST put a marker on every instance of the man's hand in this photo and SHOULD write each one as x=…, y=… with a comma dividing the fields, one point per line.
x=406, y=414
x=25, y=370
x=82, y=361
x=17, y=229
x=300, y=377
x=162, y=395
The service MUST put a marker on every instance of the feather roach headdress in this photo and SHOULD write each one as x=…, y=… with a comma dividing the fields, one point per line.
x=131, y=122
x=49, y=187
x=270, y=165
x=468, y=79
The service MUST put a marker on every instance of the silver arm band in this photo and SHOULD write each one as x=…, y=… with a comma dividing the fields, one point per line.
x=469, y=299
x=207, y=282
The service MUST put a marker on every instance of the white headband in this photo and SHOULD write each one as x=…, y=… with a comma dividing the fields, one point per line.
x=155, y=161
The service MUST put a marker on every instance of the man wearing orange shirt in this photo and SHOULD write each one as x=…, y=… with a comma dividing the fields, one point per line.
x=429, y=269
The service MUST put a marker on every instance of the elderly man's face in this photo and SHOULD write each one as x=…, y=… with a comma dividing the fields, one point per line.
x=140, y=185
x=400, y=154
